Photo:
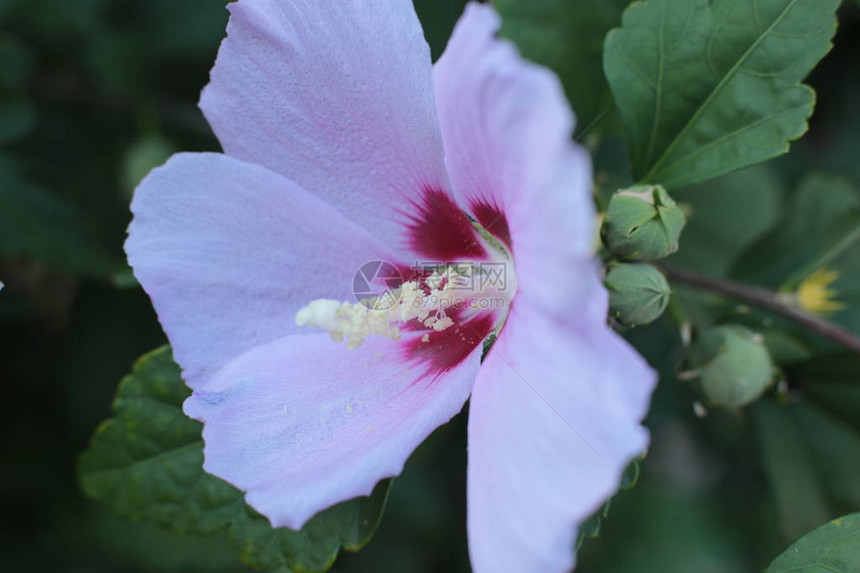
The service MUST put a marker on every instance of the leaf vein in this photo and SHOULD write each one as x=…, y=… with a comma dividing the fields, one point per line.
x=148, y=460
x=636, y=70
x=715, y=92
x=658, y=102
x=731, y=135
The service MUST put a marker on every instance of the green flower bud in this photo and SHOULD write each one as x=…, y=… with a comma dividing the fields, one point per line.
x=736, y=366
x=638, y=293
x=642, y=224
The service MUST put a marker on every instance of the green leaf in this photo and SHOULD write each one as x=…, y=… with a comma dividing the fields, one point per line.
x=146, y=546
x=835, y=450
x=785, y=347
x=725, y=216
x=146, y=463
x=709, y=86
x=666, y=527
x=832, y=548
x=821, y=204
x=811, y=453
x=831, y=382
x=567, y=36
x=820, y=231
x=799, y=496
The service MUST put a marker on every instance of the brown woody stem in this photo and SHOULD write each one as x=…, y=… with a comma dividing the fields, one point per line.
x=766, y=300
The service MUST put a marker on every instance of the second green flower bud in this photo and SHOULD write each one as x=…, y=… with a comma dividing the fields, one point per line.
x=642, y=224
x=638, y=293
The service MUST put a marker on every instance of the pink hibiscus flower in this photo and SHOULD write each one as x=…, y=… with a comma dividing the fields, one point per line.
x=344, y=145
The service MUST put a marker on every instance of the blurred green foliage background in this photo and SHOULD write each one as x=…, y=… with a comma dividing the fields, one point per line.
x=94, y=93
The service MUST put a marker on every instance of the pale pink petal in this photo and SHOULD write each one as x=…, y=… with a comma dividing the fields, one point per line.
x=303, y=423
x=553, y=422
x=230, y=251
x=507, y=130
x=336, y=95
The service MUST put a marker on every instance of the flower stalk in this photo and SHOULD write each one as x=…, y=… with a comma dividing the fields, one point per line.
x=766, y=300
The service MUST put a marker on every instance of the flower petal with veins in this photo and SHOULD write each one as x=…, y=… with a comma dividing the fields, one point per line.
x=302, y=424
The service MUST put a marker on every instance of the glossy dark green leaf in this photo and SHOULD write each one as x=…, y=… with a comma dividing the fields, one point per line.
x=832, y=548
x=146, y=464
x=567, y=36
x=705, y=87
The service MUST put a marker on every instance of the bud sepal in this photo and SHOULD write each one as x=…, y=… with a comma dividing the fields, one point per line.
x=638, y=293
x=642, y=223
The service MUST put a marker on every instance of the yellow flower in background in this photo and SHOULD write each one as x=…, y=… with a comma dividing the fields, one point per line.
x=815, y=295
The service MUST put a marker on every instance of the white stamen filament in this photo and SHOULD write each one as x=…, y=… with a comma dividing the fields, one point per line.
x=354, y=322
